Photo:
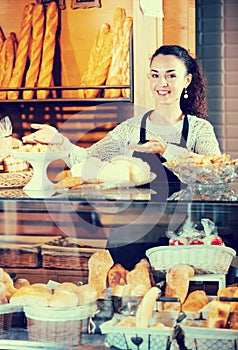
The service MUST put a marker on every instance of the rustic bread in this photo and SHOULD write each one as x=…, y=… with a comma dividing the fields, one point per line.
x=195, y=301
x=22, y=51
x=98, y=63
x=125, y=60
x=48, y=50
x=7, y=57
x=38, y=19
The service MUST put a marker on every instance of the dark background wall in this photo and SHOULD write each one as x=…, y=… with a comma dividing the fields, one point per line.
x=217, y=50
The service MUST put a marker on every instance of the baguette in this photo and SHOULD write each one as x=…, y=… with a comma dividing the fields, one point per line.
x=36, y=49
x=99, y=62
x=2, y=38
x=22, y=51
x=146, y=307
x=8, y=59
x=125, y=60
x=114, y=73
x=48, y=50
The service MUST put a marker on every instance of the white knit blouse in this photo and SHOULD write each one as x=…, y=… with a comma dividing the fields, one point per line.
x=201, y=139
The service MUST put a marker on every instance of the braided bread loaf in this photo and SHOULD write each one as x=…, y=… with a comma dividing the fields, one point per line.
x=125, y=59
x=22, y=51
x=36, y=49
x=99, y=62
x=114, y=73
x=48, y=50
x=7, y=58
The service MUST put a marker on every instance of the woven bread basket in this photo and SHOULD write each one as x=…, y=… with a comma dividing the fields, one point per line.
x=204, y=259
x=58, y=325
x=15, y=179
x=6, y=315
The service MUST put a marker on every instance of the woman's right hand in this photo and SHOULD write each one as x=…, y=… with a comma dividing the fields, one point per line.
x=45, y=134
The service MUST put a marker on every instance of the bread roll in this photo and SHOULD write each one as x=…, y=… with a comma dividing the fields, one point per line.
x=98, y=63
x=87, y=294
x=22, y=51
x=128, y=321
x=117, y=275
x=35, y=294
x=69, y=286
x=114, y=77
x=8, y=51
x=139, y=275
x=36, y=49
x=195, y=301
x=48, y=50
x=218, y=314
x=99, y=265
x=177, y=284
x=125, y=60
x=146, y=307
x=63, y=298
x=3, y=293
x=21, y=282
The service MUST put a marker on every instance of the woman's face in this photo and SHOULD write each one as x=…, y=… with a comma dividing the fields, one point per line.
x=168, y=77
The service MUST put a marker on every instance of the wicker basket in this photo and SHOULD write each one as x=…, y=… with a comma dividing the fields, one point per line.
x=66, y=257
x=58, y=325
x=16, y=255
x=15, y=179
x=6, y=316
x=205, y=259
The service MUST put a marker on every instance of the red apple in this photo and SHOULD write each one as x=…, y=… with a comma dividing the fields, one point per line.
x=216, y=240
x=175, y=242
x=196, y=241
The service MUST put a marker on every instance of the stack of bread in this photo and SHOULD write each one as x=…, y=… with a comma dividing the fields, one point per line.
x=109, y=61
x=28, y=60
x=120, y=171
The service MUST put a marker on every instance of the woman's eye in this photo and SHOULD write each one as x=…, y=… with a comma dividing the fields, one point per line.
x=154, y=75
x=170, y=76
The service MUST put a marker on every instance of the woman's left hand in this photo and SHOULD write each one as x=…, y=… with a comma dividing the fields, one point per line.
x=151, y=146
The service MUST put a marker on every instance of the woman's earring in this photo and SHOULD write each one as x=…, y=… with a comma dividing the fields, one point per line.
x=185, y=95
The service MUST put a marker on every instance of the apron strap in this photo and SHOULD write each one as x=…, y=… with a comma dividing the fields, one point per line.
x=184, y=135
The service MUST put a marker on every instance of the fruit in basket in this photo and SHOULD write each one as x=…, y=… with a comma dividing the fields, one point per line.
x=216, y=240
x=175, y=241
x=196, y=241
x=21, y=282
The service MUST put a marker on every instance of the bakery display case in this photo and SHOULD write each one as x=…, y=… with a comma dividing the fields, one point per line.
x=56, y=235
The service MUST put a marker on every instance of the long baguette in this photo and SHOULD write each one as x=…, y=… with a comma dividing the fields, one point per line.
x=36, y=49
x=48, y=51
x=125, y=59
x=146, y=307
x=98, y=63
x=22, y=51
x=114, y=73
x=2, y=38
x=8, y=52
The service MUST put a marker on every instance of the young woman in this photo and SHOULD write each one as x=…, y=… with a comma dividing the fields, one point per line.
x=175, y=126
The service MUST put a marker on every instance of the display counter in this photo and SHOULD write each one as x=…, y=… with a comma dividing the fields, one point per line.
x=138, y=218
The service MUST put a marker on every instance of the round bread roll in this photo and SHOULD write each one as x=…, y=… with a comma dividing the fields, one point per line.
x=87, y=294
x=21, y=282
x=3, y=293
x=139, y=170
x=69, y=286
x=63, y=298
x=114, y=173
x=88, y=169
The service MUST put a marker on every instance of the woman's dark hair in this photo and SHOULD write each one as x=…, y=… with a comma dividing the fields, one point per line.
x=196, y=103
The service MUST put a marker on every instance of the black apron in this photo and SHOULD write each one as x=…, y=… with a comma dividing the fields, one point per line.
x=155, y=160
x=130, y=254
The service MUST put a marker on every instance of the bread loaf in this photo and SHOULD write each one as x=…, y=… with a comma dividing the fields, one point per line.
x=99, y=265
x=35, y=294
x=48, y=50
x=138, y=275
x=2, y=38
x=87, y=294
x=177, y=284
x=146, y=307
x=36, y=49
x=195, y=301
x=98, y=63
x=125, y=60
x=63, y=298
x=218, y=314
x=22, y=51
x=117, y=275
x=8, y=57
x=114, y=73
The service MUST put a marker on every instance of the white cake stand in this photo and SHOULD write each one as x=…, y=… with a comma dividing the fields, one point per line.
x=40, y=184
